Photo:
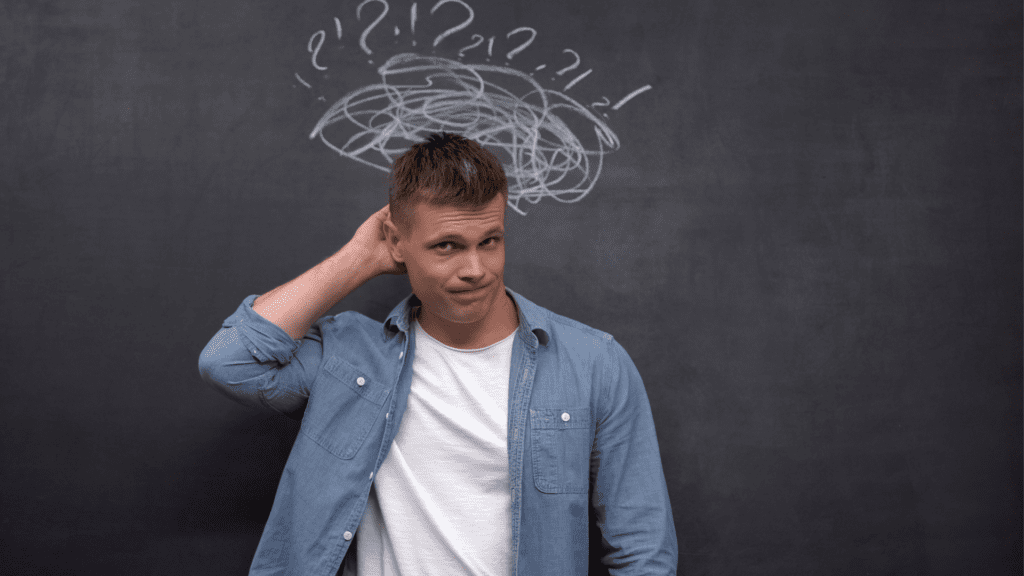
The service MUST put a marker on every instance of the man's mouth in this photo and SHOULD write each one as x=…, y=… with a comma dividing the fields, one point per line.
x=468, y=290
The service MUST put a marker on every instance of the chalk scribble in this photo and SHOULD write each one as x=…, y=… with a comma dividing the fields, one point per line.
x=550, y=145
x=528, y=126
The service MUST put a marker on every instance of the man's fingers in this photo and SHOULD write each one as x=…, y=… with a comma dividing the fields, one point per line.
x=384, y=215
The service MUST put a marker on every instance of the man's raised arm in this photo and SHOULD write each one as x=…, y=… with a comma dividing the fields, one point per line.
x=266, y=353
x=294, y=306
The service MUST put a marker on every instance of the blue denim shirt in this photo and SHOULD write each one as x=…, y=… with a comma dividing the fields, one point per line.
x=349, y=379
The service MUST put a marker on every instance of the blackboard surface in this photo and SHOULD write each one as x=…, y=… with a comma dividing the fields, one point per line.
x=802, y=220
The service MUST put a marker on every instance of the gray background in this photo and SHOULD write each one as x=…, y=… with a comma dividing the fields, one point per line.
x=809, y=242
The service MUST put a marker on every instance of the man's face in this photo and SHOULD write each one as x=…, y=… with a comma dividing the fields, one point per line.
x=455, y=258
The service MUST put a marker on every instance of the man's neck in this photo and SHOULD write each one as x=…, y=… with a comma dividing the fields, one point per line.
x=495, y=327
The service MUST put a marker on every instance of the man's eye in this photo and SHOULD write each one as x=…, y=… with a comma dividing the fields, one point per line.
x=445, y=246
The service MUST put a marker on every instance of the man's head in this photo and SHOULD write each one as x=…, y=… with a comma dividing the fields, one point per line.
x=447, y=226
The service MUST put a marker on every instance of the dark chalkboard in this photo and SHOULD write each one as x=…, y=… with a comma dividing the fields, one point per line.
x=802, y=220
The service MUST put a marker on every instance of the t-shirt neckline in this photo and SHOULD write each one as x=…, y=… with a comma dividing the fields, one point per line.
x=421, y=330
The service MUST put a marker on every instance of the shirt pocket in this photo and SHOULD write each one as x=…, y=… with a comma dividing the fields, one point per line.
x=561, y=439
x=343, y=408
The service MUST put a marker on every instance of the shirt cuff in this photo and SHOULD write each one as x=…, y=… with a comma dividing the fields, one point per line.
x=261, y=337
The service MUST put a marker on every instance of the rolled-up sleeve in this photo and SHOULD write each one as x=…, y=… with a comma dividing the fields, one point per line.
x=630, y=495
x=254, y=361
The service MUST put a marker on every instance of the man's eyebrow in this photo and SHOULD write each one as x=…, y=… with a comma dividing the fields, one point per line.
x=449, y=237
x=454, y=237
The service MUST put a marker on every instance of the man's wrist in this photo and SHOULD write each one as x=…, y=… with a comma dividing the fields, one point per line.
x=354, y=263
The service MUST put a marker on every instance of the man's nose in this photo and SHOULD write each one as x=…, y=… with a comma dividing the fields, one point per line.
x=472, y=268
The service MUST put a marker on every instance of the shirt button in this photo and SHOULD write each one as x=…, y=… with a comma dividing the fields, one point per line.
x=371, y=475
x=400, y=354
x=388, y=415
x=360, y=381
x=347, y=535
x=565, y=416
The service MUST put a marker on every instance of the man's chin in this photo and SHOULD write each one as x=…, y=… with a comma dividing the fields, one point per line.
x=465, y=314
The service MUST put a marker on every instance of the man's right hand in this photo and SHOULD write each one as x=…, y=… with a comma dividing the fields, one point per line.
x=371, y=241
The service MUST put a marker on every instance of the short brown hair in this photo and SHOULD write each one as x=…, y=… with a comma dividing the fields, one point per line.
x=445, y=170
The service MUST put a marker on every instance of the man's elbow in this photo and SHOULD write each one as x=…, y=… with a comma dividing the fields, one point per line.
x=218, y=365
x=208, y=369
x=220, y=375
x=213, y=371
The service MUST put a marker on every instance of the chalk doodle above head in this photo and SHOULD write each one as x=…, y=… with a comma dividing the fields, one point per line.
x=551, y=145
x=502, y=108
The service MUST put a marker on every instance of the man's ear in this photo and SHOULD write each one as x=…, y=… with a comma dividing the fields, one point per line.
x=391, y=238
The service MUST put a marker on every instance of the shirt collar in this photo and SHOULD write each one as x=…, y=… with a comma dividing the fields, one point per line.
x=532, y=318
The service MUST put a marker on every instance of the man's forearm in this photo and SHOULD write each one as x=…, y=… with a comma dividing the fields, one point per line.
x=295, y=305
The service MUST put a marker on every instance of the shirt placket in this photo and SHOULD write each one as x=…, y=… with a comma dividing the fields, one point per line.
x=390, y=425
x=522, y=375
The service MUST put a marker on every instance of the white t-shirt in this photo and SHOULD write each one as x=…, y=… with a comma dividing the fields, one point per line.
x=441, y=502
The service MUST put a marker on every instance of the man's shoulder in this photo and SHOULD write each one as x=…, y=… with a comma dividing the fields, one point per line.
x=353, y=341
x=579, y=331
x=583, y=348
x=351, y=324
x=564, y=329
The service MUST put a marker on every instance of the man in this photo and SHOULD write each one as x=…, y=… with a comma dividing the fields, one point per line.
x=466, y=434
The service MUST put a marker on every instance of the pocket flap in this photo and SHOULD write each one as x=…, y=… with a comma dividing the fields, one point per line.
x=560, y=418
x=362, y=384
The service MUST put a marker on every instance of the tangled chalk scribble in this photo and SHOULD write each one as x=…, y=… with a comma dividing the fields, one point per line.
x=504, y=109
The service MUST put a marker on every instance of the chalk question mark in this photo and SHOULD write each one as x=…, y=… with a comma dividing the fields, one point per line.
x=521, y=47
x=366, y=33
x=479, y=40
x=465, y=23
